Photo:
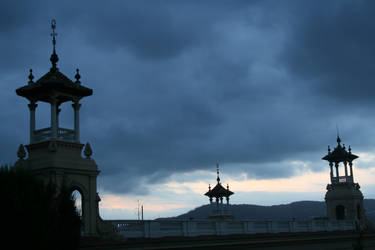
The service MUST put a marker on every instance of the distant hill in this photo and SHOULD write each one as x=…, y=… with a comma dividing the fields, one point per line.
x=299, y=210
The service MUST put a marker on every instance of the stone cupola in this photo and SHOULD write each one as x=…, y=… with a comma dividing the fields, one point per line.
x=343, y=198
x=54, y=88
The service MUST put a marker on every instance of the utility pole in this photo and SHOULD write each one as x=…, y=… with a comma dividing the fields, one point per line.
x=142, y=212
x=138, y=209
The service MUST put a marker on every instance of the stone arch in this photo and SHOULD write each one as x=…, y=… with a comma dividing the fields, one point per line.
x=340, y=212
x=78, y=199
x=79, y=187
x=74, y=185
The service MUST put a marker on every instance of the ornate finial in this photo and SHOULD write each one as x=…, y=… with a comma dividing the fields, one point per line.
x=31, y=77
x=350, y=150
x=227, y=186
x=77, y=76
x=21, y=153
x=338, y=135
x=217, y=172
x=88, y=151
x=209, y=187
x=54, y=58
x=343, y=146
x=329, y=150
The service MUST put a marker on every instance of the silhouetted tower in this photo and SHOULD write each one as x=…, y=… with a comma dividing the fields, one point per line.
x=220, y=210
x=344, y=200
x=55, y=153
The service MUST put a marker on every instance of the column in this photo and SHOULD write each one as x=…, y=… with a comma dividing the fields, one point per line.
x=54, y=119
x=346, y=169
x=331, y=173
x=337, y=170
x=58, y=110
x=32, y=107
x=351, y=170
x=76, y=106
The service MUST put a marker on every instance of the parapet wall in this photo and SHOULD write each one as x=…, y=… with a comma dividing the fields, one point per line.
x=164, y=228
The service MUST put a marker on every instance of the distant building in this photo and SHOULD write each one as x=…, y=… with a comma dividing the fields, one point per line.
x=343, y=198
x=220, y=210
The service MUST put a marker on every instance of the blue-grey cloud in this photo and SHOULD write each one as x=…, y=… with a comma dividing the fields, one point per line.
x=181, y=85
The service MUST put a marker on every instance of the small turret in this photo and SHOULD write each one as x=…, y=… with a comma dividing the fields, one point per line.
x=344, y=199
x=219, y=192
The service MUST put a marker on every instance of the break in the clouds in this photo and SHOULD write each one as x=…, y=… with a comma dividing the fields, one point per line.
x=181, y=85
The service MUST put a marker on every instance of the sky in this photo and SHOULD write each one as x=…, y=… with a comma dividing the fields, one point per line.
x=259, y=86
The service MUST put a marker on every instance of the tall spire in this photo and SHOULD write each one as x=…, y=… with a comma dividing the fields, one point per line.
x=54, y=58
x=338, y=140
x=217, y=171
x=338, y=135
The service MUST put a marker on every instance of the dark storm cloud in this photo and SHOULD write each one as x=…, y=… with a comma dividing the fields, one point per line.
x=180, y=85
x=333, y=48
x=160, y=29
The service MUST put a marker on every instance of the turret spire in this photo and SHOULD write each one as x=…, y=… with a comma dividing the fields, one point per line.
x=338, y=135
x=217, y=171
x=54, y=58
x=219, y=193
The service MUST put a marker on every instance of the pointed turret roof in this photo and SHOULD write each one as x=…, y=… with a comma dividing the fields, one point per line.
x=54, y=84
x=218, y=191
x=339, y=154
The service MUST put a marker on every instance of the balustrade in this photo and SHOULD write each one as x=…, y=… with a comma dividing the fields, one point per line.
x=162, y=228
x=45, y=134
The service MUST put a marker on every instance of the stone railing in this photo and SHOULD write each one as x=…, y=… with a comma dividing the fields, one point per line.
x=45, y=134
x=342, y=179
x=162, y=228
x=42, y=134
x=65, y=134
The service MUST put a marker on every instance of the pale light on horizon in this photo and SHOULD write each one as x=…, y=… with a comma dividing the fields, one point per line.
x=190, y=194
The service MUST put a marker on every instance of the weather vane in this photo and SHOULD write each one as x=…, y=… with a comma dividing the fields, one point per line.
x=217, y=172
x=53, y=34
x=54, y=58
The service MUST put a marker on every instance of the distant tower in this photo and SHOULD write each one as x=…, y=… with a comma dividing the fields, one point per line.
x=344, y=200
x=220, y=210
x=55, y=153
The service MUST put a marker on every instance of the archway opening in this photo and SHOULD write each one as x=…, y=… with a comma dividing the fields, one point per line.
x=340, y=212
x=78, y=201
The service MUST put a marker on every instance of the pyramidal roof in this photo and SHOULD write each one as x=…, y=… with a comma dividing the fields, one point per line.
x=54, y=84
x=218, y=191
x=339, y=154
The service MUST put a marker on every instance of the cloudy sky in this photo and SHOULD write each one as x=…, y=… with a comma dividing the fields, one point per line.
x=258, y=86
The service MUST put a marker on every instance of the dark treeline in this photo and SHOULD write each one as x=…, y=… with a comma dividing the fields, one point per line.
x=34, y=215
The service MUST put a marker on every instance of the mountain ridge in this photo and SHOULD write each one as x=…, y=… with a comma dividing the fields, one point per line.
x=299, y=210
